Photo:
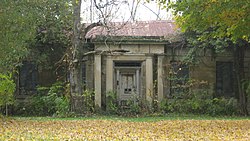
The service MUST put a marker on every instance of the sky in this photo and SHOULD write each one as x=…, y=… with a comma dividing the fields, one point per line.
x=122, y=11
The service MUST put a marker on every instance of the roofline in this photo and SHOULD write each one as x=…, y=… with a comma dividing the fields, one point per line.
x=130, y=39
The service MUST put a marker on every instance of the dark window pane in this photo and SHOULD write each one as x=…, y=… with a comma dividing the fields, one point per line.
x=84, y=79
x=224, y=79
x=28, y=78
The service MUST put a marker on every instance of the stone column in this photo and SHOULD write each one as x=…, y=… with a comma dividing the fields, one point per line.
x=149, y=80
x=137, y=82
x=98, y=82
x=109, y=74
x=118, y=79
x=160, y=78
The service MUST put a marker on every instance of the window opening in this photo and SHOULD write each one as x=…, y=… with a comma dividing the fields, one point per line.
x=28, y=79
x=224, y=79
x=179, y=76
x=84, y=79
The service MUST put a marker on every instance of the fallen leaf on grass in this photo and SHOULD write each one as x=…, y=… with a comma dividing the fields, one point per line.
x=124, y=130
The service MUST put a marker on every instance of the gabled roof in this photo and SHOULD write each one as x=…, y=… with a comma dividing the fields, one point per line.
x=145, y=29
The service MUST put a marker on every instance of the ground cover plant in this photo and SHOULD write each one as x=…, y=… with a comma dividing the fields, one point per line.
x=106, y=128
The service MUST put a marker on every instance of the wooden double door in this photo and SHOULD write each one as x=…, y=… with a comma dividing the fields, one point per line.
x=128, y=84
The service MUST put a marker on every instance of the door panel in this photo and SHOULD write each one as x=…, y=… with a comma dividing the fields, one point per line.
x=127, y=83
x=127, y=89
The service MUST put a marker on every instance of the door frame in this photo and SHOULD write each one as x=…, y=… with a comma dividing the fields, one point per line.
x=127, y=70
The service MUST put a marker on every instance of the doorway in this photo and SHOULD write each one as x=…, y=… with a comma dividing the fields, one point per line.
x=127, y=82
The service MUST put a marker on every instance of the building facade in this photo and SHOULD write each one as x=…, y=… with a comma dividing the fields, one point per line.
x=138, y=62
x=142, y=62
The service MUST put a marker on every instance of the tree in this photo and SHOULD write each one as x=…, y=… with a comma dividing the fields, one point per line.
x=17, y=24
x=217, y=24
x=227, y=18
x=53, y=34
x=22, y=20
x=32, y=30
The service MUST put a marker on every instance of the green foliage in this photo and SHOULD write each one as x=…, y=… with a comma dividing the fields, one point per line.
x=214, y=18
x=111, y=102
x=134, y=108
x=48, y=102
x=89, y=100
x=222, y=106
x=197, y=46
x=17, y=24
x=7, y=89
x=53, y=33
x=23, y=21
x=62, y=107
x=131, y=108
x=215, y=25
x=200, y=103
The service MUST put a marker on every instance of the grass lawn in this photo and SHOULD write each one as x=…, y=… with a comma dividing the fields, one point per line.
x=117, y=128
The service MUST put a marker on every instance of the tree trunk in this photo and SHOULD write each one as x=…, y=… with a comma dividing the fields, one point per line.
x=75, y=79
x=75, y=66
x=76, y=101
x=240, y=76
x=6, y=110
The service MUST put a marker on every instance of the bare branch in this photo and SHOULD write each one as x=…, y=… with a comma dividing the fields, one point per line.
x=106, y=51
x=91, y=26
x=99, y=9
x=134, y=9
x=158, y=17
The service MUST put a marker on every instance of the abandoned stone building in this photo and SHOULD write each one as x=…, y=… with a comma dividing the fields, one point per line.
x=136, y=60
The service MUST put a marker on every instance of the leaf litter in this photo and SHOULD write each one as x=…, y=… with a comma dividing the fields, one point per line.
x=25, y=130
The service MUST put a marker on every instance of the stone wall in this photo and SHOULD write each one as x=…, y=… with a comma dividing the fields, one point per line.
x=204, y=70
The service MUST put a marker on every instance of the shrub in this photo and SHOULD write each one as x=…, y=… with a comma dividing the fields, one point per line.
x=48, y=102
x=131, y=107
x=89, y=100
x=222, y=106
x=62, y=107
x=200, y=103
x=7, y=89
x=111, y=103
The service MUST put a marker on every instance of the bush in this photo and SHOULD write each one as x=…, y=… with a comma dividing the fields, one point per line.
x=89, y=100
x=111, y=103
x=7, y=89
x=200, y=103
x=222, y=106
x=48, y=102
x=62, y=107
x=132, y=107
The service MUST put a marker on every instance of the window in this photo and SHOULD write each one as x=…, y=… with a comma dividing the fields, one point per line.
x=28, y=78
x=179, y=76
x=224, y=79
x=84, y=76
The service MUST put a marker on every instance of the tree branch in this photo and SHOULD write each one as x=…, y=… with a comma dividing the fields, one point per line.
x=91, y=26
